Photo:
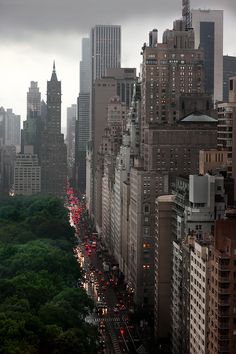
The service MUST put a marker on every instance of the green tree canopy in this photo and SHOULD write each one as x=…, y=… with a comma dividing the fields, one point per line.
x=41, y=310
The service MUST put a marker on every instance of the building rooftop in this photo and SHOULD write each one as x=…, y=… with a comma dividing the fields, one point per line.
x=198, y=117
x=166, y=198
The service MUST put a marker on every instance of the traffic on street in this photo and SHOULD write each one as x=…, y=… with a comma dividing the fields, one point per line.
x=104, y=284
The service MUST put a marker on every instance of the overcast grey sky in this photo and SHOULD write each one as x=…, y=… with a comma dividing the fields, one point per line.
x=35, y=32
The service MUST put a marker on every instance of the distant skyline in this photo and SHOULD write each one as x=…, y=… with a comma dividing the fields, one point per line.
x=33, y=34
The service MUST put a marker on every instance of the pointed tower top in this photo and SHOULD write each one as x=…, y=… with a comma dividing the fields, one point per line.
x=54, y=75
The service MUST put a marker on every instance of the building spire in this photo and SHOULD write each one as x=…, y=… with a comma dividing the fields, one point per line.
x=54, y=75
x=186, y=14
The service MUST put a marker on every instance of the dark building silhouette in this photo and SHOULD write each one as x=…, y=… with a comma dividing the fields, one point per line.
x=208, y=35
x=7, y=159
x=52, y=150
x=229, y=69
x=31, y=126
x=82, y=121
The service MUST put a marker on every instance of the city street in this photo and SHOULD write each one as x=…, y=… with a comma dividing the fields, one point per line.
x=103, y=284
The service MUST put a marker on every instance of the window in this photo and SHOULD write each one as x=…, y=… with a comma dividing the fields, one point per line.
x=146, y=208
x=146, y=245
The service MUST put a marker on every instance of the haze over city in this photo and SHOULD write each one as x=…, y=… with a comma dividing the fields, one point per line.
x=117, y=177
x=34, y=33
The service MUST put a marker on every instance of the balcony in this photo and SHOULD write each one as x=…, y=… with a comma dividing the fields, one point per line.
x=224, y=313
x=223, y=336
x=224, y=291
x=223, y=266
x=224, y=255
x=224, y=279
x=223, y=349
x=223, y=302
x=224, y=325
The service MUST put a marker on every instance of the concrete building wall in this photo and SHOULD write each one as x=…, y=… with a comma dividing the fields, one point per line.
x=198, y=298
x=104, y=89
x=106, y=205
x=163, y=266
x=221, y=324
x=27, y=175
x=125, y=234
x=7, y=164
x=176, y=296
x=174, y=150
x=169, y=72
x=207, y=204
x=212, y=161
x=142, y=238
x=226, y=130
x=229, y=70
x=70, y=136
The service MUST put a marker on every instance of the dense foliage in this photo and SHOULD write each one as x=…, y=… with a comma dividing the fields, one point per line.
x=41, y=310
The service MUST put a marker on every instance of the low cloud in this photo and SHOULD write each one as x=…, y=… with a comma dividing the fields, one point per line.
x=22, y=19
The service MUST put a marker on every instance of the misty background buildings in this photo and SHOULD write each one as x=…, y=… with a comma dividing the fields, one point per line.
x=153, y=154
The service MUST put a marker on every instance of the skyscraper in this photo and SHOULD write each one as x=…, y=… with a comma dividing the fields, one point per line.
x=172, y=70
x=105, y=49
x=229, y=69
x=7, y=159
x=29, y=134
x=119, y=82
x=53, y=123
x=172, y=92
x=70, y=136
x=9, y=128
x=105, y=43
x=52, y=152
x=27, y=175
x=81, y=140
x=208, y=30
x=85, y=66
x=33, y=100
x=83, y=114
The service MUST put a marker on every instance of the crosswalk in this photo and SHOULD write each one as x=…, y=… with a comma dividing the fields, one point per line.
x=107, y=319
x=115, y=342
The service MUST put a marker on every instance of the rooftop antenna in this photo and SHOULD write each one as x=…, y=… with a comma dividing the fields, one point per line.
x=186, y=14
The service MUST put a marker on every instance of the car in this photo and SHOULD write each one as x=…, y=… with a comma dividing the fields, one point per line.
x=102, y=344
x=115, y=309
x=102, y=325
